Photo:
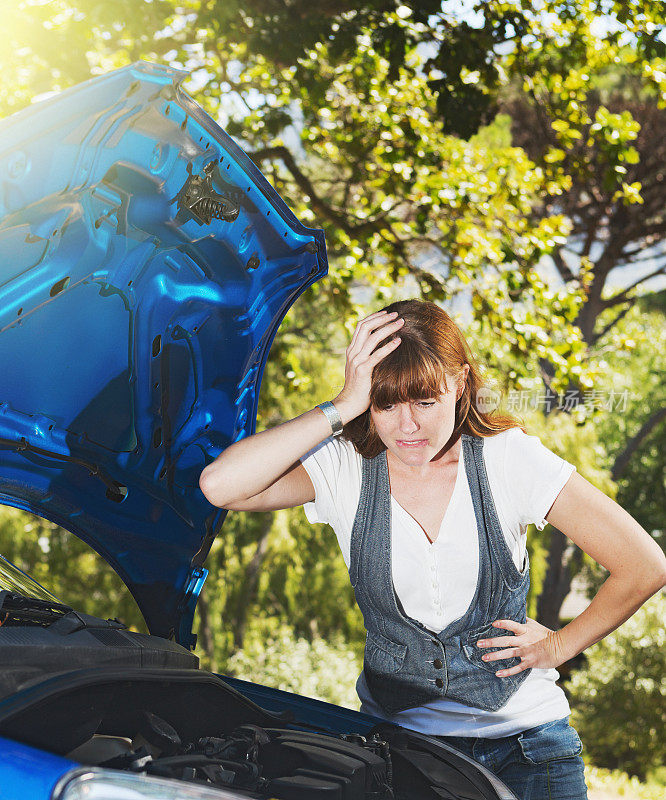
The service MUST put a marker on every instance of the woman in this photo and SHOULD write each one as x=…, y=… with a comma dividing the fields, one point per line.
x=430, y=498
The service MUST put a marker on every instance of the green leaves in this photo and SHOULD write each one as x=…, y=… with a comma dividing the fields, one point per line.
x=622, y=689
x=66, y=566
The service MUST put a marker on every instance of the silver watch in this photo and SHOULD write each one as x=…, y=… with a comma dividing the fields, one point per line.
x=333, y=416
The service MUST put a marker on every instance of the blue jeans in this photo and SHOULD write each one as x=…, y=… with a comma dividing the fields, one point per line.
x=541, y=763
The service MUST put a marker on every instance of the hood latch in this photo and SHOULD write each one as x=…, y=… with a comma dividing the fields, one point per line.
x=201, y=200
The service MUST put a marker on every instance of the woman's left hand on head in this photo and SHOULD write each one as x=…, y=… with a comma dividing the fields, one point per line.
x=533, y=643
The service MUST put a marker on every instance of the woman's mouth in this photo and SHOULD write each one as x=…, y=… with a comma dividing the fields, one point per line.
x=412, y=443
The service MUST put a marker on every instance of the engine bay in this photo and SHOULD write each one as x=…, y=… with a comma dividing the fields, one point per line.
x=189, y=725
x=262, y=762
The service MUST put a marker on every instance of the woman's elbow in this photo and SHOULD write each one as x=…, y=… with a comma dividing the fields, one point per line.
x=660, y=576
x=209, y=483
x=653, y=575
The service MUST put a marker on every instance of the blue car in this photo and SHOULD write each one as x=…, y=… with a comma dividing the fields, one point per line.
x=145, y=267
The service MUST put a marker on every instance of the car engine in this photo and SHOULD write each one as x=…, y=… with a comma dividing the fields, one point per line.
x=262, y=762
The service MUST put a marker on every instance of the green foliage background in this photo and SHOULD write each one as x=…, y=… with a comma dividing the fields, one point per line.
x=619, y=700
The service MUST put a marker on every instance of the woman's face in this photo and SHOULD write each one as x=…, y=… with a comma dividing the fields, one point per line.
x=416, y=432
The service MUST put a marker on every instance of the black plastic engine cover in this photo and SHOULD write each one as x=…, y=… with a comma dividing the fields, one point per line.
x=62, y=711
x=349, y=771
x=29, y=653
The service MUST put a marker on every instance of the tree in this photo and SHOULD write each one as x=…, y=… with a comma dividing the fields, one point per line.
x=636, y=374
x=61, y=41
x=593, y=117
x=367, y=118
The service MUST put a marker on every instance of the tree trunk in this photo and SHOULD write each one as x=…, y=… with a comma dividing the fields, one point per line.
x=248, y=590
x=564, y=560
x=624, y=457
x=205, y=633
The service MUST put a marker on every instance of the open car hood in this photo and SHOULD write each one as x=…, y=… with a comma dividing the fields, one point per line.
x=145, y=266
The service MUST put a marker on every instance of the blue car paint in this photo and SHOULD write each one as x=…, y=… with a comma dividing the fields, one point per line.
x=133, y=336
x=27, y=773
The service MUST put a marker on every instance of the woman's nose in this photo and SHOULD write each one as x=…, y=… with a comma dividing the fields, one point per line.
x=407, y=421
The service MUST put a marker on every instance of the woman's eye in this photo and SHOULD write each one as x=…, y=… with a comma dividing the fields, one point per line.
x=422, y=403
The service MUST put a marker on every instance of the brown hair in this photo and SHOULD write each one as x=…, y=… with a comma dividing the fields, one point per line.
x=431, y=344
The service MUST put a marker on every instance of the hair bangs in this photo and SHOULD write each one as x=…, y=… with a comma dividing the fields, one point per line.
x=411, y=372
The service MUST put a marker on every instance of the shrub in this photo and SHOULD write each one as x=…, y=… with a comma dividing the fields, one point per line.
x=325, y=670
x=619, y=698
x=620, y=786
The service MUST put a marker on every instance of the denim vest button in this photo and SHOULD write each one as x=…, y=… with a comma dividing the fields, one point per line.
x=437, y=664
x=439, y=683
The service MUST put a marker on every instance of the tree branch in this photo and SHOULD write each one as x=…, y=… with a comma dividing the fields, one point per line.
x=307, y=187
x=622, y=296
x=611, y=324
x=622, y=460
x=629, y=255
x=565, y=273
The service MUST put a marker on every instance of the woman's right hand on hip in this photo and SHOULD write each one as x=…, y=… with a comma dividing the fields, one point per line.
x=354, y=398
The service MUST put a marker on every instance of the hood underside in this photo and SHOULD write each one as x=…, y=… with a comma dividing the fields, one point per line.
x=145, y=267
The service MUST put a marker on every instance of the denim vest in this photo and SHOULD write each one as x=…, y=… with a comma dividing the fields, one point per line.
x=406, y=664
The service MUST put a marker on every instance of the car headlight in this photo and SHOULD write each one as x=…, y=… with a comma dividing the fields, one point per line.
x=108, y=784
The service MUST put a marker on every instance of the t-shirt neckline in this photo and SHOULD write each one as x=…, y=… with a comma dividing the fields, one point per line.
x=453, y=497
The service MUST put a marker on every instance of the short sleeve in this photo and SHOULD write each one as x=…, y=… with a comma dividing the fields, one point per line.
x=323, y=464
x=534, y=476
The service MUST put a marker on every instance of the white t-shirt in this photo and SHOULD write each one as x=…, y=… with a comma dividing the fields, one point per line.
x=436, y=582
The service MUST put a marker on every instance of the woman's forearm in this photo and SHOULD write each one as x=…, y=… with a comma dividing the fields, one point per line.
x=251, y=465
x=617, y=599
